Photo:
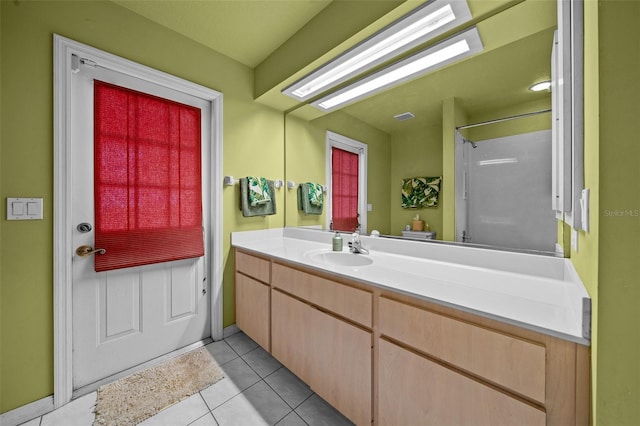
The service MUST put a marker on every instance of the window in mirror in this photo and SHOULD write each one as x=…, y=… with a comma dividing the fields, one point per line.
x=346, y=171
x=344, y=190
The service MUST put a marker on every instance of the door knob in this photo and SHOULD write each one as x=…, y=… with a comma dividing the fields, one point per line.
x=84, y=251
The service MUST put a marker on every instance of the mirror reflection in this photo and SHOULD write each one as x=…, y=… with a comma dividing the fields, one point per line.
x=495, y=187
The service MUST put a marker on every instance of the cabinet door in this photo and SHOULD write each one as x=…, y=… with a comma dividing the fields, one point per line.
x=252, y=309
x=414, y=390
x=289, y=333
x=340, y=358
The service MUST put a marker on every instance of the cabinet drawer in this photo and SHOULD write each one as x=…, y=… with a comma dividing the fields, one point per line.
x=346, y=301
x=253, y=266
x=508, y=361
x=414, y=390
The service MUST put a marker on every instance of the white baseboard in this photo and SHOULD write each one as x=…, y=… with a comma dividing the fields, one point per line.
x=229, y=331
x=27, y=412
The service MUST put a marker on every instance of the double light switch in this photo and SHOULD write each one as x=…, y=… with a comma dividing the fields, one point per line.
x=24, y=208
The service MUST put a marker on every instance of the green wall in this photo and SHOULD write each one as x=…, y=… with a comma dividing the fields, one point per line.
x=607, y=256
x=305, y=154
x=416, y=152
x=586, y=260
x=26, y=155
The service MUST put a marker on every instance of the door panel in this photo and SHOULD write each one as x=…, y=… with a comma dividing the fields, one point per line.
x=183, y=286
x=119, y=302
x=125, y=317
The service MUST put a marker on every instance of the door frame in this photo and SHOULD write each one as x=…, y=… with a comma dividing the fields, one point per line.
x=66, y=54
x=347, y=144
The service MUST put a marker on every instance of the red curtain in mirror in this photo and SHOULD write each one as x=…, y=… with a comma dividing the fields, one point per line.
x=147, y=178
x=344, y=190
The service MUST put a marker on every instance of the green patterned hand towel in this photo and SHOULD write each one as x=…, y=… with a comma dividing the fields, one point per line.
x=258, y=190
x=304, y=200
x=265, y=209
x=316, y=194
x=420, y=192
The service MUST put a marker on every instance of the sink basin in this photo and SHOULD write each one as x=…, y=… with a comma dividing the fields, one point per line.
x=341, y=258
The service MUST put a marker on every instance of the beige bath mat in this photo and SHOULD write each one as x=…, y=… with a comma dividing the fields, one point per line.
x=135, y=398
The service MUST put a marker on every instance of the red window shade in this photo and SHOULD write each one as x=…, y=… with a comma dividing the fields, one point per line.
x=344, y=190
x=147, y=178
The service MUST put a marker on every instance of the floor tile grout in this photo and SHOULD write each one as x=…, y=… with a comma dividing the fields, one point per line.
x=242, y=342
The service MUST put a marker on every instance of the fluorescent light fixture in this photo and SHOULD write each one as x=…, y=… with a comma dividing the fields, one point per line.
x=539, y=87
x=437, y=56
x=404, y=34
x=497, y=161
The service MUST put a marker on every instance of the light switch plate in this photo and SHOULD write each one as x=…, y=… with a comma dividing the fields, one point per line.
x=24, y=208
x=584, y=209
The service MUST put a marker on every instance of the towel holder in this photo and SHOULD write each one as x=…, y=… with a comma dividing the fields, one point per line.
x=230, y=181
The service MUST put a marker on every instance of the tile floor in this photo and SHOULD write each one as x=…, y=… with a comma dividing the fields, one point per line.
x=256, y=390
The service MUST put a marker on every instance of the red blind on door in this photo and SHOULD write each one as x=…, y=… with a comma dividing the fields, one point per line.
x=344, y=190
x=147, y=178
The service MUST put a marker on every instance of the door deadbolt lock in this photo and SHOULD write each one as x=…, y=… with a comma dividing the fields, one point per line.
x=84, y=227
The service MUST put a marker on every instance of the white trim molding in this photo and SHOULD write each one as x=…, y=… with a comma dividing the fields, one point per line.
x=351, y=145
x=66, y=54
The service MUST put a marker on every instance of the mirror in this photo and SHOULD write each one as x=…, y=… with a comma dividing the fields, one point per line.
x=491, y=85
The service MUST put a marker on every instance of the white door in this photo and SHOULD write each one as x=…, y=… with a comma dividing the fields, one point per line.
x=125, y=317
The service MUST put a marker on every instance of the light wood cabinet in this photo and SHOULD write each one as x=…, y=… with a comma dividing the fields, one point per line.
x=252, y=298
x=330, y=354
x=290, y=323
x=499, y=373
x=415, y=390
x=340, y=357
x=516, y=364
x=253, y=266
x=392, y=359
x=349, y=302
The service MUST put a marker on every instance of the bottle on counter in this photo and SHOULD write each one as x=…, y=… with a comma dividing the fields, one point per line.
x=337, y=242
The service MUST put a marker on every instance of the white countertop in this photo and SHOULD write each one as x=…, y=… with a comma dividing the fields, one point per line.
x=540, y=293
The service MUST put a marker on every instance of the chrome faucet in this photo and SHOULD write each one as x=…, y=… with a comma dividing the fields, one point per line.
x=355, y=245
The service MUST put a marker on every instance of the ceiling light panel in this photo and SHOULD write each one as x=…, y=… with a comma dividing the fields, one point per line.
x=451, y=50
x=410, y=31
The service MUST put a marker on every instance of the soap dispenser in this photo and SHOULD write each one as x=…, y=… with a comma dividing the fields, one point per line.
x=337, y=242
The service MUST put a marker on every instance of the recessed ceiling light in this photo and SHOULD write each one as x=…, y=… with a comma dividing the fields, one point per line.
x=541, y=86
x=437, y=56
x=406, y=33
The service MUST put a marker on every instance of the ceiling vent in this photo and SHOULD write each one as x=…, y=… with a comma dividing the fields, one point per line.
x=404, y=116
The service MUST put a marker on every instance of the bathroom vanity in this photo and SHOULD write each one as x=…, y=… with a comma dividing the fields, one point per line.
x=402, y=336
